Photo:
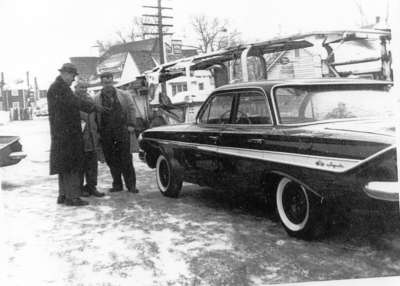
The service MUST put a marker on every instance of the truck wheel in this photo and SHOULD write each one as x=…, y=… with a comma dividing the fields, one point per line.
x=300, y=211
x=169, y=184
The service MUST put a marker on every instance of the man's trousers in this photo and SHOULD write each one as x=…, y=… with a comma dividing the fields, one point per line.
x=69, y=184
x=116, y=149
x=89, y=173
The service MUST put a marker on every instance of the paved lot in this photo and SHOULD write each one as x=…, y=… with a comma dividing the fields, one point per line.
x=206, y=237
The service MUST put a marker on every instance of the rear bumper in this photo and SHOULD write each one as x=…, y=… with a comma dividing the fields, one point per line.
x=385, y=191
x=17, y=156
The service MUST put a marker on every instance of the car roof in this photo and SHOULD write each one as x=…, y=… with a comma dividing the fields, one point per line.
x=268, y=84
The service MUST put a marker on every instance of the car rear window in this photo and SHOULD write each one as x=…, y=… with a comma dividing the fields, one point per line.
x=316, y=103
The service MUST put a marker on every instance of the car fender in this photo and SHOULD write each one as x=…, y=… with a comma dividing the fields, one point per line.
x=315, y=192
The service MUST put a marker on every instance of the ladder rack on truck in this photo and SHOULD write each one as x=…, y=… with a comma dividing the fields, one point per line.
x=236, y=64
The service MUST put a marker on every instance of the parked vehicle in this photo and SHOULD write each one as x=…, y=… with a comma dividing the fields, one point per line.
x=10, y=150
x=41, y=108
x=310, y=144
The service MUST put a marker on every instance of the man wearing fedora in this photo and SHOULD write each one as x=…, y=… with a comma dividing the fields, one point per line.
x=116, y=127
x=66, y=150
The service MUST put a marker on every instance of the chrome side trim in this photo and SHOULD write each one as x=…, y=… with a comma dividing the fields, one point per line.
x=332, y=164
x=337, y=165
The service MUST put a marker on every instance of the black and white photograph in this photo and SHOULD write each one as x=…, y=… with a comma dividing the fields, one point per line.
x=199, y=142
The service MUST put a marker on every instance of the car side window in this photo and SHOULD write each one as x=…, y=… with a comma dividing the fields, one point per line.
x=253, y=108
x=290, y=103
x=218, y=110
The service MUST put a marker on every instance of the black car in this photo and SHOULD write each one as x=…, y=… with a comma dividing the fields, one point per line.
x=307, y=143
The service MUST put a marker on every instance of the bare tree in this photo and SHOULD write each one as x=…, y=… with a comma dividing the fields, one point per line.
x=103, y=46
x=362, y=20
x=230, y=37
x=213, y=33
x=135, y=32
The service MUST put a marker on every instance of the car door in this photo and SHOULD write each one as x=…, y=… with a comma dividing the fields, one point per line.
x=242, y=143
x=201, y=161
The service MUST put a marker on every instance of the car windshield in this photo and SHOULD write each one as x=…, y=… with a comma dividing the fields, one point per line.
x=317, y=103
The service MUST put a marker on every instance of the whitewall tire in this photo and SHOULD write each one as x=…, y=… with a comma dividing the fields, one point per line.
x=168, y=184
x=299, y=210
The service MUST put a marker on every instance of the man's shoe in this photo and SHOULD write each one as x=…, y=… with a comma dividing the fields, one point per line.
x=114, y=190
x=133, y=190
x=61, y=200
x=77, y=202
x=96, y=193
x=85, y=193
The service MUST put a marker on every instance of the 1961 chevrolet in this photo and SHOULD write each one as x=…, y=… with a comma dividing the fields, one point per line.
x=307, y=143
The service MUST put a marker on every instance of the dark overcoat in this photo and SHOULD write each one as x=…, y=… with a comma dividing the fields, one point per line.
x=128, y=107
x=66, y=150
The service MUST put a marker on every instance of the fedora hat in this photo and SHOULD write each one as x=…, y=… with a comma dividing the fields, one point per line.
x=69, y=68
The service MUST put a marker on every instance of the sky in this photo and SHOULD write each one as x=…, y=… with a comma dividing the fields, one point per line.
x=40, y=35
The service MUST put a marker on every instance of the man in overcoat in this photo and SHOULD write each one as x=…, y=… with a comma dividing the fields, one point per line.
x=66, y=151
x=117, y=136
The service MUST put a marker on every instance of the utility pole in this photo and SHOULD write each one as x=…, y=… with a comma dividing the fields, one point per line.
x=2, y=94
x=25, y=99
x=160, y=33
x=160, y=25
x=36, y=94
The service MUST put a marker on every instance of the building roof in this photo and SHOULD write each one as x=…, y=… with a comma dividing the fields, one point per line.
x=149, y=45
x=86, y=65
x=189, y=53
x=145, y=53
x=144, y=60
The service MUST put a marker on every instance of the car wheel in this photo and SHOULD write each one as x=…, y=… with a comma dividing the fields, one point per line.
x=299, y=210
x=168, y=184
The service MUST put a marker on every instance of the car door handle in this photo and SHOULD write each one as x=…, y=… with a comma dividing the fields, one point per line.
x=213, y=138
x=256, y=141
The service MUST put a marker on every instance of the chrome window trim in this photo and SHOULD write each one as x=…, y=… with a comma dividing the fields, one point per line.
x=201, y=112
x=268, y=106
x=233, y=90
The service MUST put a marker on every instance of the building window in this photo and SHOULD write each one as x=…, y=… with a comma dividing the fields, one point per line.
x=178, y=87
x=201, y=86
x=297, y=53
x=15, y=104
x=14, y=92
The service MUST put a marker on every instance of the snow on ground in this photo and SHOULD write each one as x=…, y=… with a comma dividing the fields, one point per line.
x=206, y=237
